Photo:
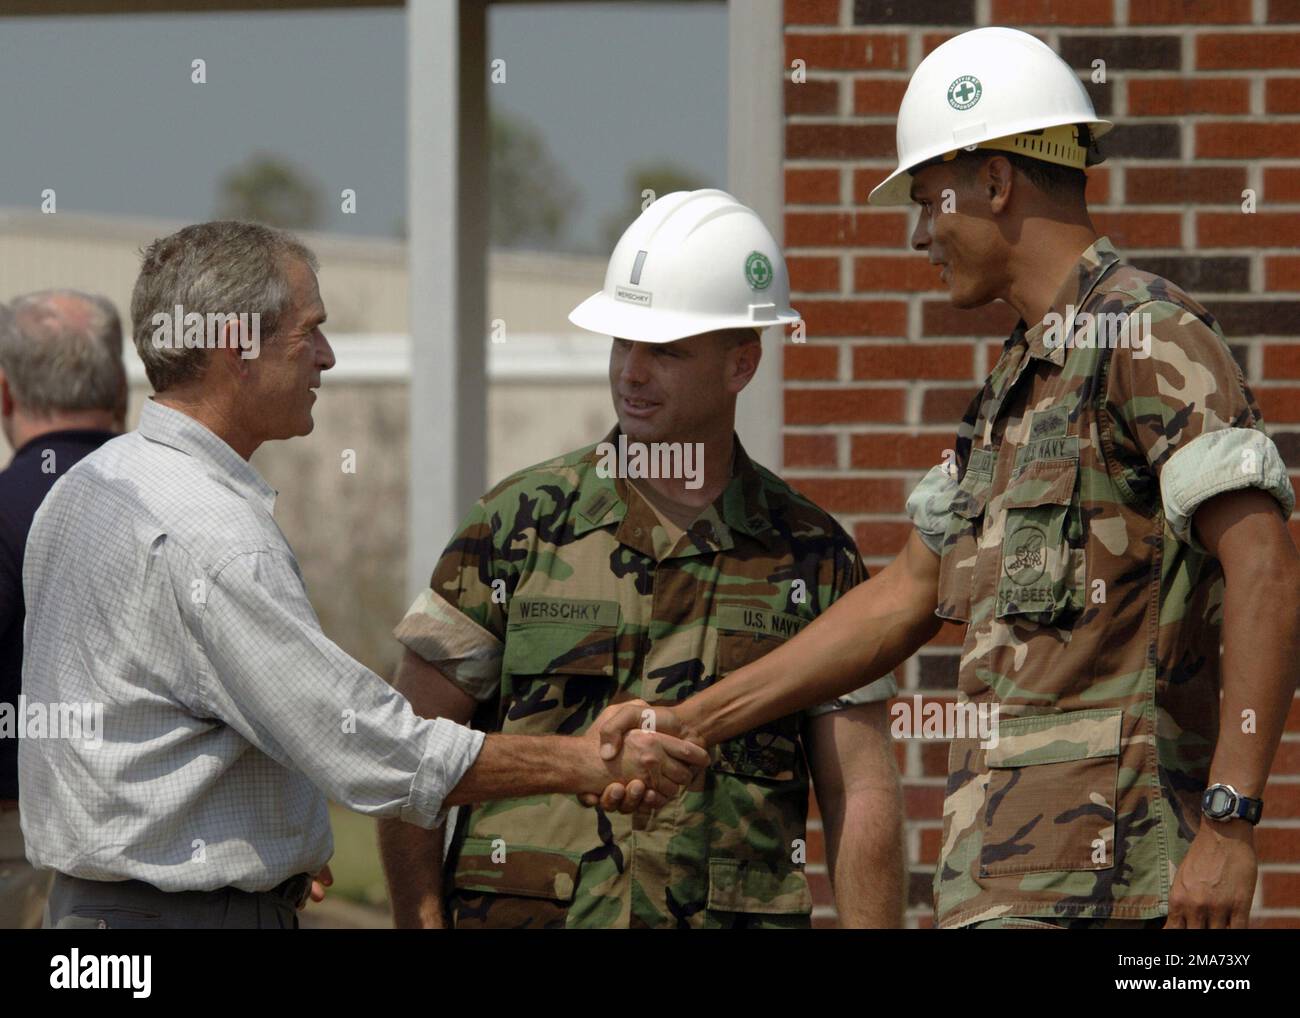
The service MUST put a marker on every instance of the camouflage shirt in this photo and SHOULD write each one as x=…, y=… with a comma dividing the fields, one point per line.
x=1092, y=614
x=563, y=593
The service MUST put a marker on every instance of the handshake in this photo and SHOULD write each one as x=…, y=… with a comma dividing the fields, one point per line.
x=640, y=757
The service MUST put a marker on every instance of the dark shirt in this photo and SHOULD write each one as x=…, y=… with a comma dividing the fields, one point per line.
x=23, y=485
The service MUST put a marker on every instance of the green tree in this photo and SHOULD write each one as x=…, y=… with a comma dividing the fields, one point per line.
x=659, y=178
x=269, y=189
x=530, y=198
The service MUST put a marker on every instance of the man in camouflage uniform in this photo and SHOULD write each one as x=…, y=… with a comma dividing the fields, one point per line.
x=571, y=587
x=1115, y=510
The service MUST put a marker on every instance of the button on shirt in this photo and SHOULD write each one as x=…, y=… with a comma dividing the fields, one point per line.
x=28, y=479
x=161, y=591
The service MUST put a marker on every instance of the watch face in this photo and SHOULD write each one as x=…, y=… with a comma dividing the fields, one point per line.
x=1218, y=802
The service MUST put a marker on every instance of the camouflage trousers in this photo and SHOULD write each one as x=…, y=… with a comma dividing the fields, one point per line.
x=1018, y=923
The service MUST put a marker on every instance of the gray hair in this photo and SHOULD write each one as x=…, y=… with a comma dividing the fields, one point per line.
x=61, y=351
x=218, y=268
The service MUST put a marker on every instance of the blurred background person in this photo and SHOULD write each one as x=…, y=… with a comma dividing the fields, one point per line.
x=62, y=395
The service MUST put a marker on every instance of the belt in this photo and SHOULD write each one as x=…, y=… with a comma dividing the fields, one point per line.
x=296, y=890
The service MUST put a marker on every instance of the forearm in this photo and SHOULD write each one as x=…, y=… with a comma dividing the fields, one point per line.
x=509, y=766
x=864, y=854
x=1261, y=654
x=412, y=860
x=865, y=634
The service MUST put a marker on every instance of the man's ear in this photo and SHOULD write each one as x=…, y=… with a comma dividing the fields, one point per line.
x=745, y=358
x=997, y=181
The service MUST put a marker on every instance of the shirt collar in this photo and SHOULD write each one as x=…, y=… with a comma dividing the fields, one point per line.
x=1070, y=297
x=180, y=431
x=605, y=501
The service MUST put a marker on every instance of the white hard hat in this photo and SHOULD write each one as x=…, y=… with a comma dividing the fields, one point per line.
x=990, y=88
x=693, y=262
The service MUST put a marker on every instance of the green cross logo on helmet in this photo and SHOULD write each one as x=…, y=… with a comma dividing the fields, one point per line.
x=758, y=270
x=965, y=92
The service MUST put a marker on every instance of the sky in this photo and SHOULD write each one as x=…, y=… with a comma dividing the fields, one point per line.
x=102, y=109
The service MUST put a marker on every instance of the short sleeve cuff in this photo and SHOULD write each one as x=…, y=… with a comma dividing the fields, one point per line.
x=1215, y=462
x=882, y=689
x=462, y=650
x=928, y=506
x=450, y=752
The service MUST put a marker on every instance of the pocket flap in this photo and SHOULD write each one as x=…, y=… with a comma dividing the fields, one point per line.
x=754, y=887
x=544, y=648
x=1056, y=738
x=1042, y=482
x=491, y=866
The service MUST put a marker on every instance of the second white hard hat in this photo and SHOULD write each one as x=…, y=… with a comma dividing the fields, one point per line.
x=989, y=88
x=692, y=262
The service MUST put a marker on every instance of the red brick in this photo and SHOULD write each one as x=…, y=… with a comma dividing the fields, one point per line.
x=844, y=406
x=813, y=97
x=812, y=12
x=931, y=840
x=1184, y=185
x=1052, y=12
x=945, y=405
x=940, y=318
x=1223, y=52
x=1287, y=761
x=1282, y=95
x=1276, y=922
x=810, y=450
x=931, y=41
x=911, y=361
x=992, y=352
x=1098, y=189
x=838, y=141
x=1241, y=229
x=848, y=51
x=1188, y=12
x=912, y=274
x=1240, y=140
x=851, y=494
x=808, y=274
x=922, y=801
x=1278, y=844
x=865, y=178
x=897, y=451
x=1133, y=230
x=1283, y=12
x=1282, y=183
x=812, y=187
x=811, y=362
x=1176, y=97
x=1282, y=272
x=1279, y=890
x=952, y=634
x=880, y=539
x=1282, y=361
x=1281, y=403
x=878, y=96
x=850, y=229
x=854, y=317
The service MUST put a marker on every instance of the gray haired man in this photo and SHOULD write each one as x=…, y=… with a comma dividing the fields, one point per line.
x=62, y=395
x=161, y=593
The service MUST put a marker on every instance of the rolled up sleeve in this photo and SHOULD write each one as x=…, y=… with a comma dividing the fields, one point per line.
x=929, y=506
x=297, y=697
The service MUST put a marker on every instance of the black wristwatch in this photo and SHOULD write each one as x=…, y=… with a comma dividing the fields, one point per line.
x=1224, y=803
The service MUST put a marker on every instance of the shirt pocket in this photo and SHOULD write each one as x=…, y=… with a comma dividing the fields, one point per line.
x=771, y=751
x=1042, y=574
x=754, y=888
x=1050, y=802
x=961, y=546
x=501, y=886
x=558, y=676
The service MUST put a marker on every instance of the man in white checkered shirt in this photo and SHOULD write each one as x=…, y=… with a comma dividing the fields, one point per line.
x=160, y=591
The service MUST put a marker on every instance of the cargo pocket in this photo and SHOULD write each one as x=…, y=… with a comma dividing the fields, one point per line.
x=770, y=751
x=1043, y=577
x=557, y=676
x=1050, y=802
x=961, y=542
x=755, y=888
x=500, y=886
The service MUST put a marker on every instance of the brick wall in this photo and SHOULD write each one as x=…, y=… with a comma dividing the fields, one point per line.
x=1206, y=100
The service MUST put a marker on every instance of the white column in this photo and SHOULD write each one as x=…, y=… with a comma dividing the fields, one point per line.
x=755, y=150
x=447, y=238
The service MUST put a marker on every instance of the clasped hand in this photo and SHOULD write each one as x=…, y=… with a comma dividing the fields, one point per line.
x=649, y=757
